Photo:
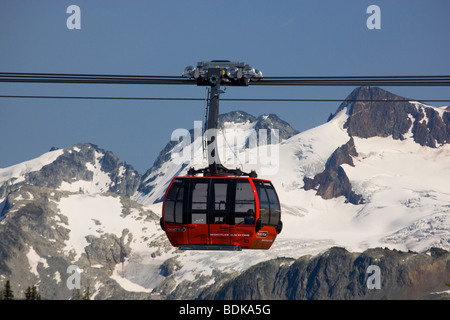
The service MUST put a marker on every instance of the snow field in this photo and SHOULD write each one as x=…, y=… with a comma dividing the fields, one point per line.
x=19, y=170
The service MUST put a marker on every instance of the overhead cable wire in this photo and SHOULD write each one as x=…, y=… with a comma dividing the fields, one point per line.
x=222, y=99
x=354, y=82
x=356, y=77
x=85, y=75
x=433, y=80
x=91, y=78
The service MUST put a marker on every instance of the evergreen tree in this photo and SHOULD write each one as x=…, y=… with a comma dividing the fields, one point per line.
x=28, y=294
x=77, y=295
x=32, y=294
x=35, y=294
x=87, y=294
x=8, y=293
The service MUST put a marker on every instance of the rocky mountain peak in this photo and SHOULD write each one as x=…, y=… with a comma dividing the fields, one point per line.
x=264, y=121
x=230, y=123
x=381, y=113
x=374, y=112
x=236, y=117
x=82, y=167
x=272, y=121
x=371, y=93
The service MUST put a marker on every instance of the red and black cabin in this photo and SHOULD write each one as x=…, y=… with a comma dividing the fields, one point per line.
x=221, y=212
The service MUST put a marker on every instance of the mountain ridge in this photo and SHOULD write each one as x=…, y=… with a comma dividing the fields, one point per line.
x=430, y=125
x=388, y=115
x=79, y=162
x=155, y=175
x=338, y=274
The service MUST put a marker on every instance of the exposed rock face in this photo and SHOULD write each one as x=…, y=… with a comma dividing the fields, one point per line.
x=333, y=181
x=125, y=180
x=397, y=117
x=394, y=118
x=68, y=167
x=433, y=132
x=377, y=118
x=339, y=274
x=272, y=121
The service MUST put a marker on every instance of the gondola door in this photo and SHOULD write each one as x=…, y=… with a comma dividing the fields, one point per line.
x=198, y=213
x=220, y=212
x=209, y=212
x=243, y=231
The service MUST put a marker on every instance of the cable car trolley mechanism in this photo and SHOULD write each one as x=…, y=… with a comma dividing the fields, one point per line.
x=222, y=209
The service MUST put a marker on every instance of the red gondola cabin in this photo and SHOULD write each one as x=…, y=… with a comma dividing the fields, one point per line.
x=221, y=212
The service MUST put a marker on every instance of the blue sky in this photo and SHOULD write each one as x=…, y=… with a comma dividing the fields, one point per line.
x=281, y=38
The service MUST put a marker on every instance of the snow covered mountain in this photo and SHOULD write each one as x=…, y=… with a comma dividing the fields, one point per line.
x=385, y=178
x=376, y=174
x=70, y=207
x=80, y=168
x=237, y=130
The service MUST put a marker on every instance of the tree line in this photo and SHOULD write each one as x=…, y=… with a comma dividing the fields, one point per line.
x=31, y=293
